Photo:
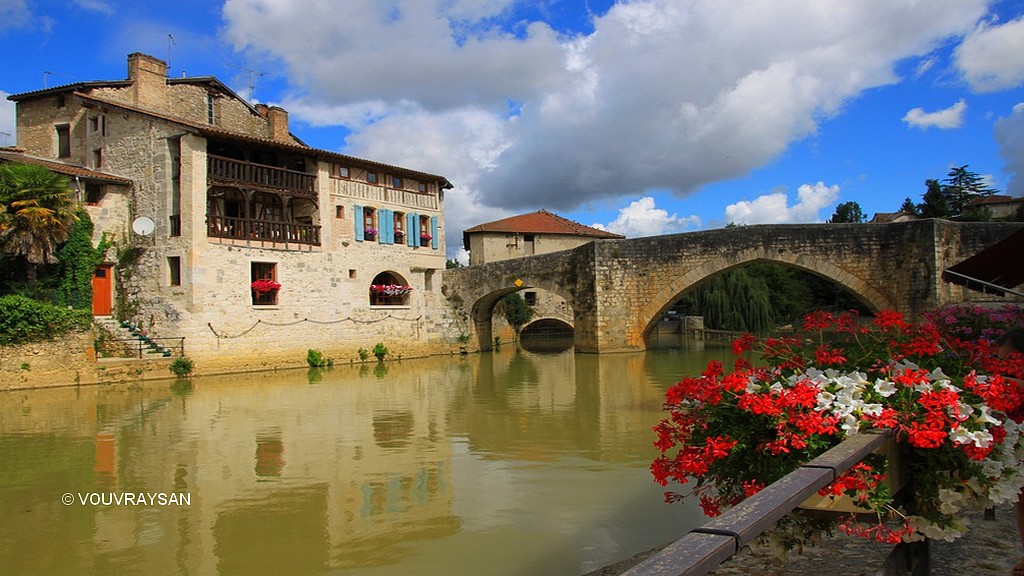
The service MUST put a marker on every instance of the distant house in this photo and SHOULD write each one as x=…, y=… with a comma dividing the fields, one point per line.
x=997, y=205
x=527, y=234
x=231, y=232
x=889, y=217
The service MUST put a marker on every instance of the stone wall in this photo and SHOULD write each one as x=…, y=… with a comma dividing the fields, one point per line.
x=71, y=361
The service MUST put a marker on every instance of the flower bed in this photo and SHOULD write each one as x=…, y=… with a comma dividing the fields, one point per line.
x=731, y=434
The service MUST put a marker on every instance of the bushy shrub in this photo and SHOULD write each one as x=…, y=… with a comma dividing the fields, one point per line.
x=23, y=319
x=380, y=351
x=182, y=366
x=316, y=359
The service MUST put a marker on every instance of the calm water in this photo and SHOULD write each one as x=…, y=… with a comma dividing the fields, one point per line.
x=512, y=462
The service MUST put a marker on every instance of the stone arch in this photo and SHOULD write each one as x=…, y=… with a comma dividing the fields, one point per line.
x=389, y=288
x=661, y=301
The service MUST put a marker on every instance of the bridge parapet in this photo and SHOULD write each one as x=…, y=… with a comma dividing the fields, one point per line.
x=619, y=288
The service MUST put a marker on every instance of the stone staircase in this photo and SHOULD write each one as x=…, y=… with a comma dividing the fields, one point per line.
x=123, y=340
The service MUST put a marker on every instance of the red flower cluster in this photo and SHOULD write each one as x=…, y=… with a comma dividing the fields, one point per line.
x=264, y=286
x=735, y=433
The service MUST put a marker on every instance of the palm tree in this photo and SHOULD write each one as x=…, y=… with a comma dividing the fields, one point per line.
x=36, y=213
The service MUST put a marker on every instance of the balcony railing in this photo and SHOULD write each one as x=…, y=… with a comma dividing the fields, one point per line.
x=249, y=229
x=228, y=171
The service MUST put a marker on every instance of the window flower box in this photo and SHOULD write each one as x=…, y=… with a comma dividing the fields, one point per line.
x=370, y=233
x=390, y=289
x=264, y=286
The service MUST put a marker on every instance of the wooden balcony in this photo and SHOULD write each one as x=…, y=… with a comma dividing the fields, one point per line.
x=262, y=230
x=236, y=173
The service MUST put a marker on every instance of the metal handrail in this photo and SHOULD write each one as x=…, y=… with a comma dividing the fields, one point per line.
x=140, y=347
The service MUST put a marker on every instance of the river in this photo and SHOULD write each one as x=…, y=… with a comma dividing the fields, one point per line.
x=510, y=462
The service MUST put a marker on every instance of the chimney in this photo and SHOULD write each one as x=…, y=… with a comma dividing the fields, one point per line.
x=277, y=117
x=149, y=79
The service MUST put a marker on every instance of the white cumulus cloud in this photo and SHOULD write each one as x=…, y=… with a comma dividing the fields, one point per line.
x=643, y=218
x=992, y=56
x=774, y=208
x=952, y=117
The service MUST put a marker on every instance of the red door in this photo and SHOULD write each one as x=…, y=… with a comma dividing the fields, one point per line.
x=102, y=290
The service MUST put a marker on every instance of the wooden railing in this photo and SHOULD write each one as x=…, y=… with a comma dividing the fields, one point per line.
x=707, y=546
x=229, y=171
x=249, y=229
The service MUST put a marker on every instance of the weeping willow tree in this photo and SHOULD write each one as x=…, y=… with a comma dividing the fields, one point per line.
x=761, y=296
x=733, y=300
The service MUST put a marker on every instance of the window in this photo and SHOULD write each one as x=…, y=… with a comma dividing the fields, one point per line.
x=389, y=289
x=425, y=236
x=60, y=101
x=211, y=109
x=530, y=298
x=351, y=274
x=371, y=177
x=339, y=211
x=421, y=186
x=174, y=268
x=64, y=141
x=339, y=171
x=369, y=223
x=396, y=182
x=97, y=158
x=93, y=193
x=399, y=219
x=264, y=286
x=98, y=124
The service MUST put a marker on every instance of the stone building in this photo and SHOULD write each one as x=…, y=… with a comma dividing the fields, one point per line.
x=232, y=233
x=525, y=235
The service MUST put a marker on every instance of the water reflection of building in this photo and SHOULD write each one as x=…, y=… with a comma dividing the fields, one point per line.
x=282, y=480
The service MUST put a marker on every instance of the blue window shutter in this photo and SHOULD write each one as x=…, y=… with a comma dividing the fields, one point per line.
x=412, y=233
x=382, y=225
x=433, y=232
x=358, y=216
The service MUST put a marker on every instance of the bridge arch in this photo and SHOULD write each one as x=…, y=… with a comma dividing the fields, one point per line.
x=689, y=279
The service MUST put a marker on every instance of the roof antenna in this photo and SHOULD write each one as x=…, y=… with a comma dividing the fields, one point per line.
x=252, y=83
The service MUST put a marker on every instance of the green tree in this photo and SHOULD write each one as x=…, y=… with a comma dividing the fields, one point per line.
x=908, y=207
x=847, y=213
x=961, y=186
x=36, y=214
x=934, y=203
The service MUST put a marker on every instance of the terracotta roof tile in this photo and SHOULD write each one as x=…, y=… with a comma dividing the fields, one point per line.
x=541, y=222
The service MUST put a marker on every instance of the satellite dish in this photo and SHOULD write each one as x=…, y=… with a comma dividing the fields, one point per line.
x=143, y=226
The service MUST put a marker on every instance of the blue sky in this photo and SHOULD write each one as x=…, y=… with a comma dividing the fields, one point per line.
x=642, y=117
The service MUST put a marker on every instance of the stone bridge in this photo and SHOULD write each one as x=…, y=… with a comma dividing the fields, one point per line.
x=619, y=289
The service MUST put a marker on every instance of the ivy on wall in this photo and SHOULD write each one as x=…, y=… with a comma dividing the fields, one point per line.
x=78, y=259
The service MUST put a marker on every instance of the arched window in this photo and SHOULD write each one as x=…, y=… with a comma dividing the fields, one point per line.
x=389, y=289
